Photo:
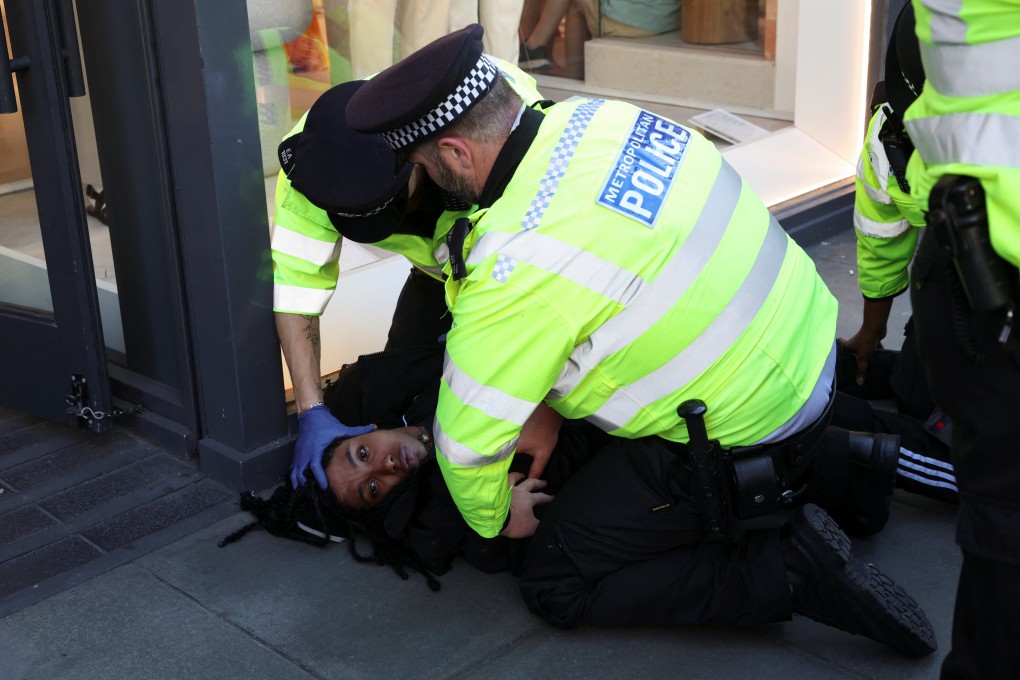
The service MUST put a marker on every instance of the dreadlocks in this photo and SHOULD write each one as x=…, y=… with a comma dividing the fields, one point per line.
x=279, y=516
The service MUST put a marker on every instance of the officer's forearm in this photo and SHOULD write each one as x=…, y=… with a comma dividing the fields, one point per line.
x=299, y=339
x=876, y=316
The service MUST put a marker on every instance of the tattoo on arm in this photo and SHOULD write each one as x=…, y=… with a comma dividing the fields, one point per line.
x=312, y=329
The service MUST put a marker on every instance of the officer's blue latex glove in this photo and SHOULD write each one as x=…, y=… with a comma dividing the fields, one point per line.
x=317, y=428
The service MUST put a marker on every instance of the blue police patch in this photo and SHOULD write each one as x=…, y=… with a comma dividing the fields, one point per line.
x=638, y=183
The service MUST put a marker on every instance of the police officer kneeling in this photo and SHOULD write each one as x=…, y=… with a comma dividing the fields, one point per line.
x=616, y=267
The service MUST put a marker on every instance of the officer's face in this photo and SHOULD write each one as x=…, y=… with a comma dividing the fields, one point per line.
x=364, y=469
x=444, y=173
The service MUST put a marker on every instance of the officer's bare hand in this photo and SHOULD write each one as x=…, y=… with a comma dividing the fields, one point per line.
x=524, y=496
x=868, y=338
x=862, y=345
x=539, y=436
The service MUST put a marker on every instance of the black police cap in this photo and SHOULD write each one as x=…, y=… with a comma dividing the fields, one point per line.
x=425, y=92
x=348, y=174
x=904, y=71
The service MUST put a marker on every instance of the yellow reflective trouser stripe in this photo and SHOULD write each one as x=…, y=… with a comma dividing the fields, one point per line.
x=960, y=70
x=711, y=344
x=669, y=286
x=987, y=139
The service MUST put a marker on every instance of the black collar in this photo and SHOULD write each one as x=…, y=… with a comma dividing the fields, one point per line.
x=510, y=156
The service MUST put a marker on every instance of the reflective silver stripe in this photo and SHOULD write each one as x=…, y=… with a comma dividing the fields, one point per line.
x=946, y=24
x=660, y=295
x=879, y=160
x=493, y=402
x=711, y=344
x=435, y=272
x=973, y=70
x=879, y=229
x=303, y=247
x=968, y=138
x=562, y=259
x=297, y=300
x=458, y=454
x=876, y=194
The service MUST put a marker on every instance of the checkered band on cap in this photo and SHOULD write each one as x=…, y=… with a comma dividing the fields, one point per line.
x=476, y=84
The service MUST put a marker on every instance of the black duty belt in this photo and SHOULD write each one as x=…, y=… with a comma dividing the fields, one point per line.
x=790, y=456
x=745, y=483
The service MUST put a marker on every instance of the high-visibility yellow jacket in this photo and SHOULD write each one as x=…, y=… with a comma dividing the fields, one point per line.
x=624, y=269
x=306, y=245
x=967, y=119
x=886, y=220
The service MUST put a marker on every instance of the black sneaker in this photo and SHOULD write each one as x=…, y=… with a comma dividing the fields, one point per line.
x=832, y=587
x=533, y=58
x=309, y=523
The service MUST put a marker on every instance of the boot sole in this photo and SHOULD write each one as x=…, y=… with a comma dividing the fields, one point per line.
x=881, y=610
x=897, y=618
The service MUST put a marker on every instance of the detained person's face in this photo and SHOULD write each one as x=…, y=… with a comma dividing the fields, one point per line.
x=365, y=468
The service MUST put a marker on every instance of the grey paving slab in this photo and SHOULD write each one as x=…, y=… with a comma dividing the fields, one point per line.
x=650, y=654
x=129, y=624
x=341, y=618
x=916, y=549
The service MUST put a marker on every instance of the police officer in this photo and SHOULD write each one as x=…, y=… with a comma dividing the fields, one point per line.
x=887, y=222
x=966, y=123
x=886, y=218
x=616, y=267
x=335, y=182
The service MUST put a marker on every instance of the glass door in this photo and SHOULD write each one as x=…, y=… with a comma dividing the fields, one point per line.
x=54, y=359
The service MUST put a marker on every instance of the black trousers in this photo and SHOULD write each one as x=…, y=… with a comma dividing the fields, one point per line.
x=421, y=317
x=976, y=380
x=622, y=545
x=923, y=467
x=623, y=541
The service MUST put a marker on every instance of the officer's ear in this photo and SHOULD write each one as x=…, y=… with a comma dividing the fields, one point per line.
x=456, y=152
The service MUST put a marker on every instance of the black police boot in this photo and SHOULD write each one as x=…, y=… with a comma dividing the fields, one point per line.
x=831, y=586
x=871, y=477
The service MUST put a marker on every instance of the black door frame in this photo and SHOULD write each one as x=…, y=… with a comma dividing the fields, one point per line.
x=173, y=102
x=52, y=358
x=176, y=106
